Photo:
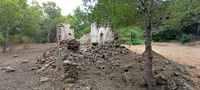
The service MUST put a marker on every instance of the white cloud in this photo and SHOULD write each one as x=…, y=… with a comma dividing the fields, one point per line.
x=66, y=6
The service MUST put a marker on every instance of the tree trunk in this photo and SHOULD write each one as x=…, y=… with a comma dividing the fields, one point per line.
x=148, y=51
x=48, y=36
x=198, y=29
x=5, y=41
x=130, y=41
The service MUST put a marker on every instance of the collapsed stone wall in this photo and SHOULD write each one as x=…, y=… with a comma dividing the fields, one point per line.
x=68, y=47
x=64, y=32
x=101, y=35
x=85, y=39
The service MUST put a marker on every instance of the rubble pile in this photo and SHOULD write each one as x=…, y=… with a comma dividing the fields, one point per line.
x=46, y=63
x=47, y=56
x=72, y=45
x=112, y=66
x=115, y=35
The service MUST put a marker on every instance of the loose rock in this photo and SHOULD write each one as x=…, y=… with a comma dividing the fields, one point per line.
x=190, y=66
x=176, y=73
x=186, y=77
x=44, y=79
x=9, y=69
x=15, y=56
x=25, y=61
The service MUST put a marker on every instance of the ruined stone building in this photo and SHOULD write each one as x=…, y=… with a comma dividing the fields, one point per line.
x=100, y=35
x=85, y=39
x=103, y=34
x=64, y=32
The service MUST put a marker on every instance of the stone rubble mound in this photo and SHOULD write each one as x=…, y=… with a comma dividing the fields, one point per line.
x=72, y=45
x=112, y=66
x=47, y=56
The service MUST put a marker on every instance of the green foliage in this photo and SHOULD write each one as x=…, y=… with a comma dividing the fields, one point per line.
x=13, y=41
x=78, y=23
x=185, y=38
x=26, y=42
x=165, y=36
x=26, y=39
x=137, y=35
x=1, y=39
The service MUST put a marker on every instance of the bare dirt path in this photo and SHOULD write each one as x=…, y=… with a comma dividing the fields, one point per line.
x=186, y=55
x=22, y=78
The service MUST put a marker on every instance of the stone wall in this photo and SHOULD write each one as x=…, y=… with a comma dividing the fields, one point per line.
x=94, y=33
x=85, y=39
x=64, y=32
x=103, y=35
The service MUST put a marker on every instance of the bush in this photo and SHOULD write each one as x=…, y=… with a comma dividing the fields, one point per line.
x=137, y=35
x=164, y=36
x=136, y=38
x=185, y=38
x=13, y=41
x=26, y=42
x=1, y=39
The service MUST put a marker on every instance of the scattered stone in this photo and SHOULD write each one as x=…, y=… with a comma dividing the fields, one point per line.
x=70, y=80
x=176, y=73
x=141, y=67
x=167, y=62
x=160, y=87
x=181, y=68
x=15, y=56
x=44, y=79
x=161, y=79
x=88, y=88
x=186, y=86
x=47, y=65
x=179, y=81
x=39, y=71
x=84, y=83
x=198, y=75
x=70, y=68
x=9, y=69
x=25, y=61
x=171, y=85
x=67, y=88
x=186, y=77
x=126, y=78
x=127, y=67
x=159, y=70
x=190, y=66
x=33, y=68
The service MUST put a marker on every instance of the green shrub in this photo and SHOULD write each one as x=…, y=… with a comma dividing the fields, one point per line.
x=26, y=42
x=136, y=38
x=137, y=35
x=185, y=38
x=164, y=36
x=13, y=41
x=1, y=39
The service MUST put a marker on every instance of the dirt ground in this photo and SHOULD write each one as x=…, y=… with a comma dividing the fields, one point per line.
x=186, y=55
x=22, y=78
x=25, y=79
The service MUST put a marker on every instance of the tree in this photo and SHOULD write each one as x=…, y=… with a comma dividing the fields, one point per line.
x=141, y=13
x=31, y=20
x=51, y=14
x=11, y=15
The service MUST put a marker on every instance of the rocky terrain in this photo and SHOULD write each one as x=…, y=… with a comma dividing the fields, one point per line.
x=107, y=67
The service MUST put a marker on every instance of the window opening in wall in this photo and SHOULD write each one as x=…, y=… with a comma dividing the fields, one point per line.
x=101, y=36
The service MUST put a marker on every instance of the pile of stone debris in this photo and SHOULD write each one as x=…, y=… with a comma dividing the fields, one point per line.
x=110, y=66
